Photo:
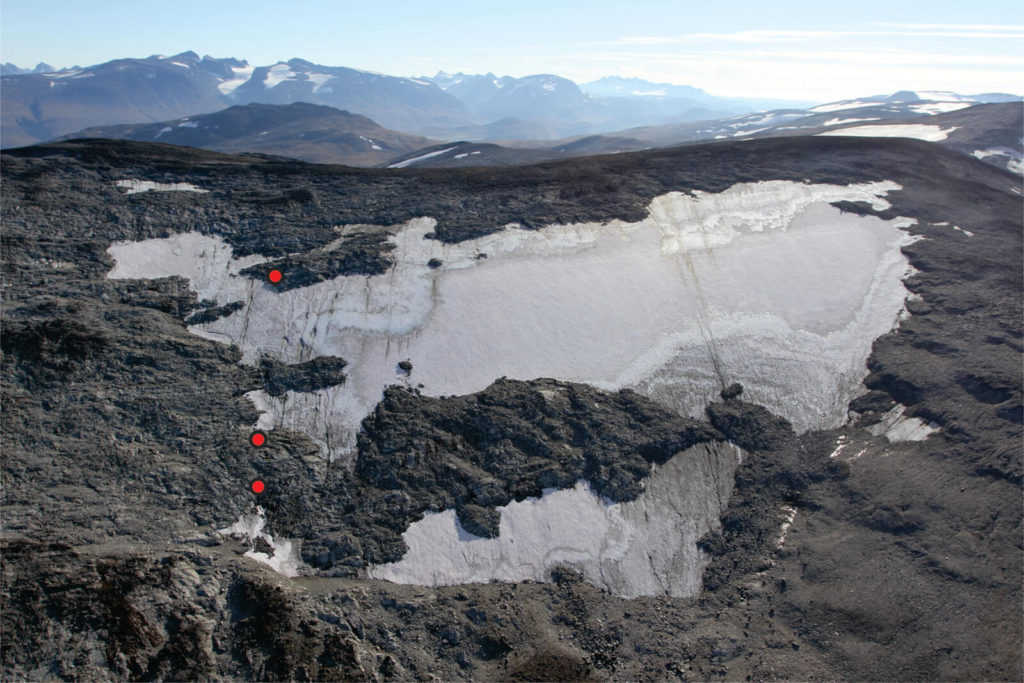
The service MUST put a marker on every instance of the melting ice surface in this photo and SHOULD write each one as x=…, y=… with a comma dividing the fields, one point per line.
x=763, y=284
x=647, y=546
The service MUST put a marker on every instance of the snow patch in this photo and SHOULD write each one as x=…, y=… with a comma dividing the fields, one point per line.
x=838, y=121
x=318, y=80
x=136, y=186
x=165, y=129
x=939, y=107
x=429, y=155
x=371, y=142
x=277, y=74
x=986, y=153
x=920, y=131
x=1014, y=159
x=188, y=124
x=749, y=132
x=286, y=559
x=839, y=106
x=647, y=546
x=788, y=514
x=241, y=75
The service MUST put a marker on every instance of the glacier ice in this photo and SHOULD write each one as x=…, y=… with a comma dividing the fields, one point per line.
x=764, y=284
x=647, y=546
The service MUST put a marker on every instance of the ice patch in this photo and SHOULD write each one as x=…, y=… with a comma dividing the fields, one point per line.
x=428, y=155
x=764, y=284
x=920, y=131
x=895, y=427
x=647, y=546
x=136, y=186
x=286, y=559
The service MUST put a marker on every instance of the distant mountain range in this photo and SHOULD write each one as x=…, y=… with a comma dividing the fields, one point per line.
x=339, y=115
x=557, y=106
x=309, y=132
x=44, y=103
x=8, y=69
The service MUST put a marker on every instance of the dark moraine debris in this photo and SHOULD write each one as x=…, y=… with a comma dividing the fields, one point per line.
x=360, y=254
x=319, y=373
x=208, y=315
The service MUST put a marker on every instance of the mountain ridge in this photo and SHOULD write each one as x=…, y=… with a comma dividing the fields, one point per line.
x=308, y=132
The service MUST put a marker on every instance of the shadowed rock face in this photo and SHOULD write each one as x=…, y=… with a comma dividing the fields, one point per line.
x=840, y=553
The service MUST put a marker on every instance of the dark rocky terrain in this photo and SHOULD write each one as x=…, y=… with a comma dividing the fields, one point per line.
x=125, y=443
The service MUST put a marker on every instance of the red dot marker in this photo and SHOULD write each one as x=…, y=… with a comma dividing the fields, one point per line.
x=258, y=486
x=258, y=438
x=274, y=276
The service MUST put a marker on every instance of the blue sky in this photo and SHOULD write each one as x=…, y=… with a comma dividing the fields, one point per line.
x=822, y=50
